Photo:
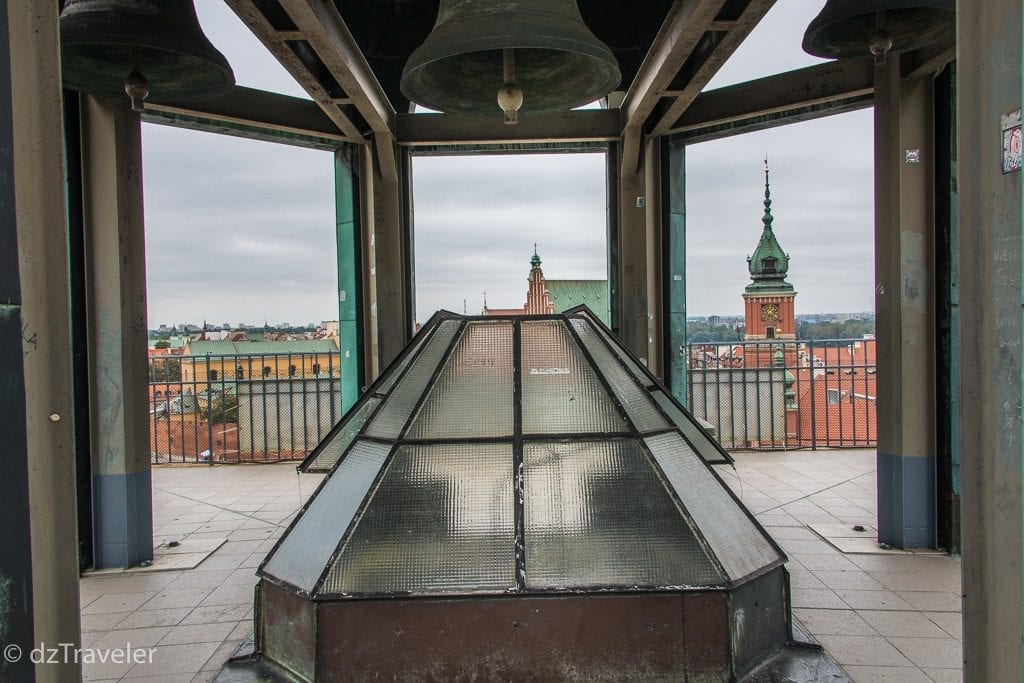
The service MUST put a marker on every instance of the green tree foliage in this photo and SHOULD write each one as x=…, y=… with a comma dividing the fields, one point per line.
x=848, y=329
x=164, y=370
x=222, y=408
x=162, y=344
x=702, y=333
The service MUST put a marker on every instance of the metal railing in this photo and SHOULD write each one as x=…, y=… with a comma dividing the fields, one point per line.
x=235, y=408
x=786, y=394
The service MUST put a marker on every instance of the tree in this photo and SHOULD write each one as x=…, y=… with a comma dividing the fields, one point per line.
x=162, y=344
x=165, y=370
x=223, y=407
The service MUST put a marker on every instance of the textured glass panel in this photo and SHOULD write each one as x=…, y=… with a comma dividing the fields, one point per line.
x=334, y=448
x=392, y=374
x=617, y=347
x=306, y=549
x=561, y=393
x=390, y=420
x=473, y=394
x=688, y=426
x=635, y=400
x=740, y=546
x=597, y=514
x=441, y=521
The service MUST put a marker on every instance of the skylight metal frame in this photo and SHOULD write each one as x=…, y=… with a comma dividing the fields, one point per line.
x=392, y=381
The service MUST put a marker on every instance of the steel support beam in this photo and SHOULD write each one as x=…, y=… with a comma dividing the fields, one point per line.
x=310, y=39
x=325, y=31
x=39, y=579
x=254, y=114
x=715, y=47
x=116, y=312
x=588, y=125
x=989, y=36
x=904, y=306
x=813, y=89
x=684, y=26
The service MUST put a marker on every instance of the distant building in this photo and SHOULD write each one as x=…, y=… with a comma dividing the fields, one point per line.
x=769, y=299
x=545, y=296
x=217, y=361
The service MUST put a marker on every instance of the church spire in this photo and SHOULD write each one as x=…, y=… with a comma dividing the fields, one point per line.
x=535, y=260
x=768, y=264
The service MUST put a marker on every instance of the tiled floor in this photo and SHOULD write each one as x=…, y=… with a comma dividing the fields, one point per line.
x=882, y=617
x=194, y=620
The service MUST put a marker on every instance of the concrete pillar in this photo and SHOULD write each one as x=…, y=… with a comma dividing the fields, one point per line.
x=389, y=278
x=630, y=261
x=116, y=312
x=368, y=263
x=38, y=501
x=989, y=88
x=904, y=306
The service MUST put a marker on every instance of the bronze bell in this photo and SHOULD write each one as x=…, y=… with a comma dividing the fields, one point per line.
x=537, y=54
x=861, y=28
x=153, y=47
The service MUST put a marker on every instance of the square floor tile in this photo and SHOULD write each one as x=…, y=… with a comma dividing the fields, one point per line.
x=863, y=650
x=884, y=674
x=833, y=622
x=941, y=653
x=873, y=600
x=896, y=623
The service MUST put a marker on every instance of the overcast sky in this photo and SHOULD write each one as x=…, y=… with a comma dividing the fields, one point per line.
x=242, y=231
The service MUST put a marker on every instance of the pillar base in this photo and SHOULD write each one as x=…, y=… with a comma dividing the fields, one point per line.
x=906, y=500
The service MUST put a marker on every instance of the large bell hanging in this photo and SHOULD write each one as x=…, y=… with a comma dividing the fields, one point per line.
x=557, y=63
x=861, y=28
x=103, y=42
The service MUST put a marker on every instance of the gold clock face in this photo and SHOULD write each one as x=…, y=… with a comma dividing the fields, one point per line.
x=770, y=312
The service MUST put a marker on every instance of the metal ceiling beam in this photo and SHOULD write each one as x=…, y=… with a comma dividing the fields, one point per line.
x=446, y=129
x=310, y=39
x=325, y=30
x=818, y=90
x=716, y=46
x=253, y=110
x=685, y=24
x=928, y=61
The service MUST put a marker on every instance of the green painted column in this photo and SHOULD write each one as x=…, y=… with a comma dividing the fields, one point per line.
x=674, y=251
x=346, y=191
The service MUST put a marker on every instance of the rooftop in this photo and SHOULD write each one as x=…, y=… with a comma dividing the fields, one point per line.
x=882, y=615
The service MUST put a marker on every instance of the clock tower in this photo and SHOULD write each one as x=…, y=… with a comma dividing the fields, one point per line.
x=768, y=299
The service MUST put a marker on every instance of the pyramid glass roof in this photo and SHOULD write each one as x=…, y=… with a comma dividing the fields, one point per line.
x=517, y=455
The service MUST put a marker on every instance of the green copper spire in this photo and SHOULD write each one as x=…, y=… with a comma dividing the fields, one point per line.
x=535, y=260
x=768, y=264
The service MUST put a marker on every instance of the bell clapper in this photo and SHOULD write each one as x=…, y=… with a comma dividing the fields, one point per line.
x=510, y=96
x=136, y=86
x=881, y=41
